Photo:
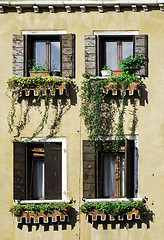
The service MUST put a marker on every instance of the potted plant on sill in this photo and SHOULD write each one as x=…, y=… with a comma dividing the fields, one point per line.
x=129, y=66
x=106, y=72
x=35, y=69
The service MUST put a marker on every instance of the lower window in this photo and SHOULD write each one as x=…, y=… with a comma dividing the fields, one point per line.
x=112, y=174
x=37, y=170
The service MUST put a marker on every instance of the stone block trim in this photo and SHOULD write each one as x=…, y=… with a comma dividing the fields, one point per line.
x=68, y=55
x=141, y=48
x=90, y=54
x=18, y=55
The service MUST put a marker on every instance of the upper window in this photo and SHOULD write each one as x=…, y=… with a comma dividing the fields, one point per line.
x=38, y=170
x=46, y=52
x=113, y=49
x=113, y=174
x=57, y=52
x=108, y=50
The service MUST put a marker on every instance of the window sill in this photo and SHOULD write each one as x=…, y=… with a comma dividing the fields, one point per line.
x=113, y=199
x=41, y=201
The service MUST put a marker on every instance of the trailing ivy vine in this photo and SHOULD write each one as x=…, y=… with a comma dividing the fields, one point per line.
x=16, y=85
x=93, y=98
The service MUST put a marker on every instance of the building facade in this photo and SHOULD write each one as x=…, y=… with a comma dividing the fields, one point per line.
x=45, y=153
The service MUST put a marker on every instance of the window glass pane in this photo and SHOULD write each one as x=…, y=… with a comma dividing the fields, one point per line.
x=109, y=176
x=111, y=55
x=127, y=49
x=40, y=53
x=38, y=179
x=55, y=56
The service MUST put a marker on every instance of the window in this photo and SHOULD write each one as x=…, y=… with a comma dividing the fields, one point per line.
x=46, y=52
x=57, y=51
x=113, y=49
x=113, y=174
x=109, y=50
x=38, y=170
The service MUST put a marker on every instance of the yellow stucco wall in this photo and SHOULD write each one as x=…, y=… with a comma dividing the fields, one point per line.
x=150, y=126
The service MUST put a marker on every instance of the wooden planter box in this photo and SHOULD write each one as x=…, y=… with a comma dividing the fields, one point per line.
x=116, y=72
x=131, y=88
x=126, y=216
x=41, y=73
x=34, y=217
x=61, y=88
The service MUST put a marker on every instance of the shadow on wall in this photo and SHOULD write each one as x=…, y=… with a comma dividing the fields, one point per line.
x=69, y=221
x=125, y=223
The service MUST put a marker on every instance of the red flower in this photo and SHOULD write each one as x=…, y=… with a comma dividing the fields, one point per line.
x=117, y=208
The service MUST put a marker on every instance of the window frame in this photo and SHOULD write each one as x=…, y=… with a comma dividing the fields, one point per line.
x=64, y=167
x=101, y=51
x=91, y=165
x=19, y=42
x=31, y=39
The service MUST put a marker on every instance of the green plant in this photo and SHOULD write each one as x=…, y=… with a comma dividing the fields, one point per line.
x=16, y=84
x=17, y=210
x=33, y=66
x=114, y=208
x=131, y=64
x=92, y=105
x=106, y=67
x=92, y=98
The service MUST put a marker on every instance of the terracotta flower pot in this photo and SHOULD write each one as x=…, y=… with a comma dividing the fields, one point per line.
x=41, y=73
x=116, y=72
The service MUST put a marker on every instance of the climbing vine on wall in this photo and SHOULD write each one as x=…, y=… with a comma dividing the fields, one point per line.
x=93, y=99
x=15, y=87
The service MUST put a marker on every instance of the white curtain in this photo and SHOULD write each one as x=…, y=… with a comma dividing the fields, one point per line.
x=38, y=179
x=109, y=177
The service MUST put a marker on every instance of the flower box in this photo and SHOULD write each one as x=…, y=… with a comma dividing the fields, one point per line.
x=34, y=217
x=60, y=87
x=126, y=216
x=130, y=89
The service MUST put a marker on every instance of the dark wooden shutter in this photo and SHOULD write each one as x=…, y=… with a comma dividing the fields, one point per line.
x=141, y=48
x=68, y=55
x=53, y=170
x=90, y=169
x=90, y=54
x=18, y=55
x=129, y=168
x=19, y=171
